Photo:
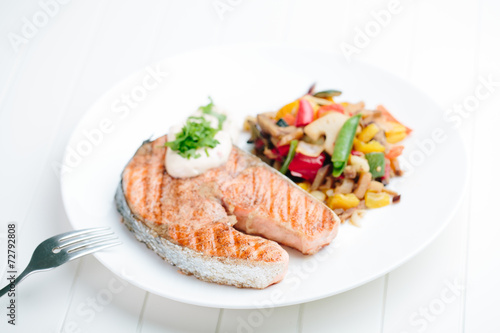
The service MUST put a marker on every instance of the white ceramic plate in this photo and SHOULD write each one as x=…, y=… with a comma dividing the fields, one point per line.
x=247, y=80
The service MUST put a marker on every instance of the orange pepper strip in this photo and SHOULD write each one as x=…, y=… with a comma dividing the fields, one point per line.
x=390, y=117
x=394, y=152
x=289, y=118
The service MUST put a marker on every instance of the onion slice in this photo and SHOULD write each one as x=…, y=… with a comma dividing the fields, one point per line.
x=309, y=149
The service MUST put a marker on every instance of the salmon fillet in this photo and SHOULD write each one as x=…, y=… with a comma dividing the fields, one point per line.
x=192, y=223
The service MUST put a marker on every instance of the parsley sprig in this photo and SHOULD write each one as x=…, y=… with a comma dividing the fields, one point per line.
x=197, y=133
x=209, y=109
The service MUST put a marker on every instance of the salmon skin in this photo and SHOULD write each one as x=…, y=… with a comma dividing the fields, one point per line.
x=211, y=225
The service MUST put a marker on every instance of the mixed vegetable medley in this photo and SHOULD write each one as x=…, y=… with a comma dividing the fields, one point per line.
x=341, y=153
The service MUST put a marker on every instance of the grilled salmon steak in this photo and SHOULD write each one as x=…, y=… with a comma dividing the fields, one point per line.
x=194, y=223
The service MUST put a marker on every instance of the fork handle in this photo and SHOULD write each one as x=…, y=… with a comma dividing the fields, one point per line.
x=27, y=271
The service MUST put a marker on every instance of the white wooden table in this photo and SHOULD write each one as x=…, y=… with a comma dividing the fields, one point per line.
x=54, y=66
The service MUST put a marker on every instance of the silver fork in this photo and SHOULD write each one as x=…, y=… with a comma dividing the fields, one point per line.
x=57, y=250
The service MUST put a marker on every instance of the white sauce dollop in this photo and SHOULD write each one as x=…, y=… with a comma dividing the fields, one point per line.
x=181, y=167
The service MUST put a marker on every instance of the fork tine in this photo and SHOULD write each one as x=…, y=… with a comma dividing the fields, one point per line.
x=87, y=243
x=88, y=236
x=74, y=233
x=89, y=250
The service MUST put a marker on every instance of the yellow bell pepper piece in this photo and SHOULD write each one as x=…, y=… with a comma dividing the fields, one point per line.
x=305, y=186
x=396, y=133
x=377, y=199
x=370, y=147
x=396, y=127
x=344, y=201
x=368, y=133
x=395, y=138
x=315, y=109
x=287, y=109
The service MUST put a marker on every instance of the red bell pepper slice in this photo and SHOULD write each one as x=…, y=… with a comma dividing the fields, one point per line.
x=281, y=151
x=387, y=171
x=305, y=114
x=306, y=167
x=259, y=144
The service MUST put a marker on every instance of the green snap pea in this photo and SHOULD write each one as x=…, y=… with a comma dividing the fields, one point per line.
x=343, y=144
x=376, y=161
x=290, y=156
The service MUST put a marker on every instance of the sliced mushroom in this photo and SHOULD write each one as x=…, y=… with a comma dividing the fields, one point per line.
x=246, y=123
x=295, y=135
x=320, y=176
x=279, y=135
x=380, y=137
x=275, y=141
x=354, y=108
x=396, y=167
x=363, y=184
x=386, y=190
x=277, y=164
x=270, y=154
x=255, y=132
x=267, y=124
x=347, y=214
x=338, y=211
x=362, y=204
x=366, y=121
x=328, y=184
x=350, y=172
x=346, y=186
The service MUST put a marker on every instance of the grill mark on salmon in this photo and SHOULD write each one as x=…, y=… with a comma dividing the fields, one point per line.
x=308, y=225
x=191, y=222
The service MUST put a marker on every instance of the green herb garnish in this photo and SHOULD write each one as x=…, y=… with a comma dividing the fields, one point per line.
x=209, y=109
x=197, y=133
